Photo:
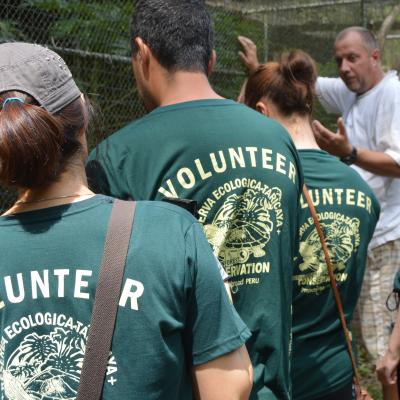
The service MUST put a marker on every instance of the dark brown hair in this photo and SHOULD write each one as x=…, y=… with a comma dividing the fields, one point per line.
x=35, y=145
x=289, y=84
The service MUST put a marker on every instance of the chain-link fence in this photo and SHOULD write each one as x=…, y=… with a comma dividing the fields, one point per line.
x=93, y=38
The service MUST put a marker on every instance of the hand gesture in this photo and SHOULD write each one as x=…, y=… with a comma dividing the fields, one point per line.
x=249, y=53
x=335, y=143
x=386, y=369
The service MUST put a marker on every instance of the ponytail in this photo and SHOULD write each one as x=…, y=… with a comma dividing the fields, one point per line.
x=35, y=144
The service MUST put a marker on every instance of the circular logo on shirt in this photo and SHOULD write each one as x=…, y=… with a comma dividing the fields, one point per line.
x=342, y=239
x=243, y=225
x=46, y=366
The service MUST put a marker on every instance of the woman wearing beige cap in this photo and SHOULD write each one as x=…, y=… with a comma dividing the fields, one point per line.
x=176, y=332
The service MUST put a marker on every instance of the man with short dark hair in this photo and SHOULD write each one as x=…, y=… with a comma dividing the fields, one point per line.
x=240, y=167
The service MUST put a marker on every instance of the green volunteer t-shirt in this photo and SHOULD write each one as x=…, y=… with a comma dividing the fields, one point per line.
x=173, y=310
x=348, y=212
x=243, y=170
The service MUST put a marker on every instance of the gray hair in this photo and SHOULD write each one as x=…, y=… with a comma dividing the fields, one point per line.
x=367, y=37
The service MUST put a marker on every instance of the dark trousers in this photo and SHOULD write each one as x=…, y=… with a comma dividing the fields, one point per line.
x=345, y=393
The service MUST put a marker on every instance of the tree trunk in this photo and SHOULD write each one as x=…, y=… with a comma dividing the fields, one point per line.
x=387, y=25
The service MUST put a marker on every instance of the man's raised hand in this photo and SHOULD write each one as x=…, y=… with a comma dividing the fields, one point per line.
x=336, y=144
x=249, y=53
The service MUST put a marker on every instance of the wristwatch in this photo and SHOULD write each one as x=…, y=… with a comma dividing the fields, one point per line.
x=351, y=158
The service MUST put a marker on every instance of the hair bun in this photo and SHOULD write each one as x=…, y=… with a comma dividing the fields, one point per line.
x=298, y=66
x=289, y=84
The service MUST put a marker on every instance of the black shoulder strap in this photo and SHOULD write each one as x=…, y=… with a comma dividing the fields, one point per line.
x=106, y=301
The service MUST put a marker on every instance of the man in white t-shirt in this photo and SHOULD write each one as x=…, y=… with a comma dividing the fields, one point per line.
x=368, y=137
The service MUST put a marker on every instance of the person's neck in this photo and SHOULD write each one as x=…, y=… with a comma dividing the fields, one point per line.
x=183, y=86
x=380, y=74
x=378, y=77
x=70, y=187
x=300, y=130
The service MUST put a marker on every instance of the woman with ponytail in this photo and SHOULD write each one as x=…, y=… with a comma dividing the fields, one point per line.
x=176, y=332
x=347, y=211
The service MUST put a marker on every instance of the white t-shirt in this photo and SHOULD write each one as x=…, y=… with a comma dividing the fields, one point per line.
x=372, y=122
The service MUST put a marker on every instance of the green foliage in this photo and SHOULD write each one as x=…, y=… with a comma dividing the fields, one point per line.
x=229, y=27
x=327, y=69
x=368, y=376
x=9, y=31
x=230, y=73
x=329, y=120
x=96, y=26
x=375, y=391
x=47, y=5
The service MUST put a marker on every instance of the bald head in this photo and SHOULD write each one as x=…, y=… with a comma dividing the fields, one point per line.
x=368, y=39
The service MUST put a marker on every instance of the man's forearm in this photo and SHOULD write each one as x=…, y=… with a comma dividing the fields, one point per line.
x=394, y=342
x=377, y=162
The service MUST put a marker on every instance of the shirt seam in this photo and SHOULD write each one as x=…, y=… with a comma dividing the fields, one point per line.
x=29, y=218
x=184, y=105
x=241, y=335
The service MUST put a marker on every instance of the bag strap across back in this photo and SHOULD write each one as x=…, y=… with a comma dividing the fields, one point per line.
x=333, y=284
x=106, y=301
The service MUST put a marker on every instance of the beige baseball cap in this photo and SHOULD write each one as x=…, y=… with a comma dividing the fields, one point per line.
x=39, y=72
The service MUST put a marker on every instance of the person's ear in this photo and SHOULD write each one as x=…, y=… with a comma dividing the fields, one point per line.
x=211, y=63
x=263, y=108
x=376, y=56
x=143, y=55
x=81, y=134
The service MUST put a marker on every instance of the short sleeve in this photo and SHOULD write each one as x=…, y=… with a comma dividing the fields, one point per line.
x=333, y=95
x=97, y=177
x=105, y=171
x=387, y=126
x=213, y=327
